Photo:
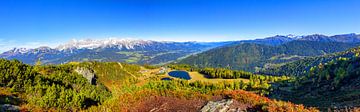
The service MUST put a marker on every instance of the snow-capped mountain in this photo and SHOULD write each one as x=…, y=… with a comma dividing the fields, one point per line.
x=128, y=50
x=281, y=39
x=112, y=42
x=347, y=38
x=21, y=51
x=275, y=40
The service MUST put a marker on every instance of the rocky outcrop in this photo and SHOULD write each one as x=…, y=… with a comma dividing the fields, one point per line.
x=9, y=108
x=88, y=74
x=220, y=106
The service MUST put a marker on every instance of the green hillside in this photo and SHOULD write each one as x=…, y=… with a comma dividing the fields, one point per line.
x=255, y=57
x=50, y=86
x=113, y=86
x=301, y=67
x=333, y=82
x=61, y=86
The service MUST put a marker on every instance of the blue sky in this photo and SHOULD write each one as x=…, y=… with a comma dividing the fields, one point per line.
x=32, y=23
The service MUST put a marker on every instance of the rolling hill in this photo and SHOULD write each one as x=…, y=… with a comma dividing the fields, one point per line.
x=325, y=81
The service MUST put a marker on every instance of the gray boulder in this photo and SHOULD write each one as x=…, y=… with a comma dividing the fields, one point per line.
x=88, y=74
x=217, y=106
x=9, y=108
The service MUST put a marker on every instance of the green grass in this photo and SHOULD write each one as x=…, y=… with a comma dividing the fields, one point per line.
x=132, y=60
x=134, y=54
x=276, y=57
x=290, y=57
x=163, y=53
x=196, y=76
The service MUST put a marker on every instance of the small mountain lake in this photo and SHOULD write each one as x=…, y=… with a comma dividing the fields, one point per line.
x=180, y=74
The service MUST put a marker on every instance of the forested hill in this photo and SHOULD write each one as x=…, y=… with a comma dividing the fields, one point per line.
x=68, y=86
x=302, y=67
x=113, y=86
x=254, y=57
x=331, y=81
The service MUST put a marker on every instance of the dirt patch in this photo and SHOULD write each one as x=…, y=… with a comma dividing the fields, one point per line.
x=236, y=105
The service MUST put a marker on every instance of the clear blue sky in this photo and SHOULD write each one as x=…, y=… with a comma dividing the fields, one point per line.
x=32, y=23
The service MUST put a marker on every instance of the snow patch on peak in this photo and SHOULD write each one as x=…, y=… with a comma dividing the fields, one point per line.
x=294, y=36
x=20, y=50
x=291, y=36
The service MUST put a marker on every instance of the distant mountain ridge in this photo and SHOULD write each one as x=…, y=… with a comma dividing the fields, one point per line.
x=255, y=55
x=281, y=39
x=124, y=50
x=111, y=42
x=275, y=40
x=346, y=38
x=89, y=44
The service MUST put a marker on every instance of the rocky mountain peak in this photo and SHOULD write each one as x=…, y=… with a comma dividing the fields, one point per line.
x=18, y=50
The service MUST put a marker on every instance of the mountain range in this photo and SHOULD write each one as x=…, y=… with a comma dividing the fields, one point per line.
x=281, y=39
x=255, y=55
x=121, y=50
x=160, y=52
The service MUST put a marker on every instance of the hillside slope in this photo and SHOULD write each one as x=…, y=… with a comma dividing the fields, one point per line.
x=302, y=67
x=66, y=87
x=333, y=82
x=254, y=57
